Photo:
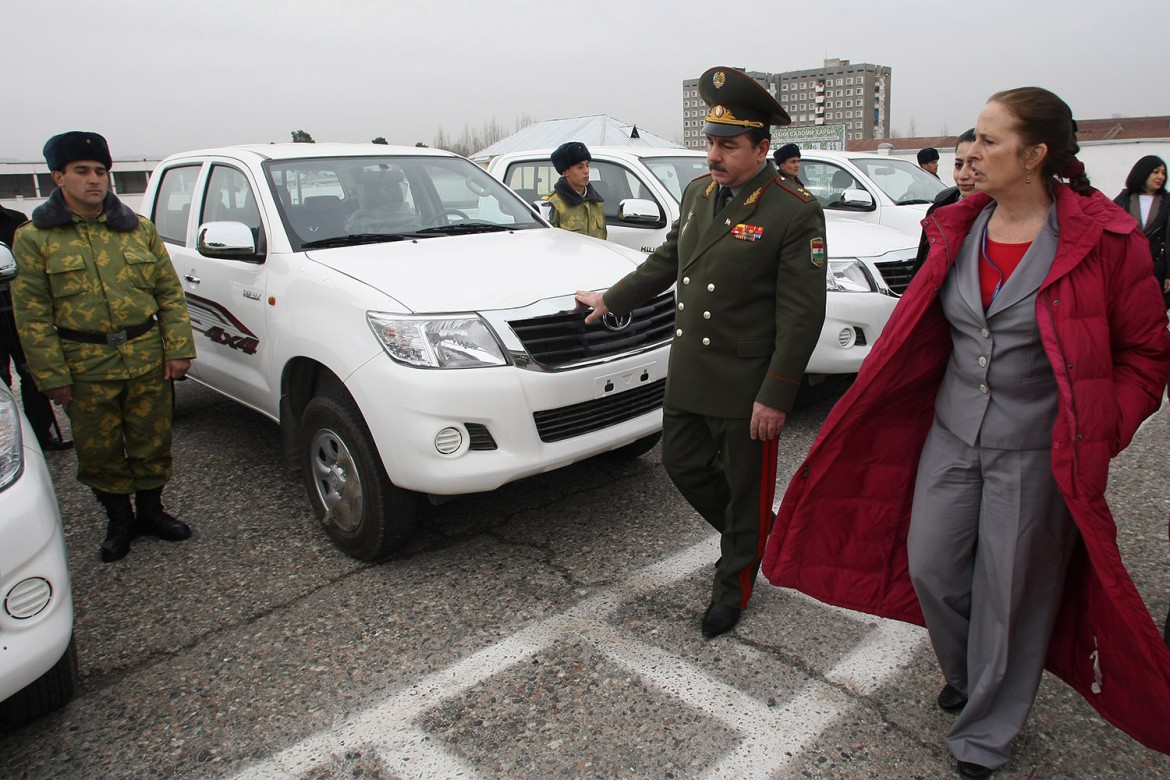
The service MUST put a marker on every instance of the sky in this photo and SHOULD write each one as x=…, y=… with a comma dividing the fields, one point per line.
x=160, y=76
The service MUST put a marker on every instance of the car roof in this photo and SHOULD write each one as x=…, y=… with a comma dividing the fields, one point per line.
x=295, y=151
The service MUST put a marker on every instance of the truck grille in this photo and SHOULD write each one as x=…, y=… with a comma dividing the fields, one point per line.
x=563, y=339
x=579, y=419
x=897, y=273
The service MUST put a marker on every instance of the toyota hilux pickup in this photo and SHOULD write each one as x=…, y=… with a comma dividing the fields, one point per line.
x=407, y=320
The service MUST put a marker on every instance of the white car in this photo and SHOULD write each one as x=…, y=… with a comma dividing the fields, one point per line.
x=642, y=187
x=408, y=321
x=38, y=661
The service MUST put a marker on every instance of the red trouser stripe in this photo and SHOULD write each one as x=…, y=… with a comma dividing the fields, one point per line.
x=767, y=495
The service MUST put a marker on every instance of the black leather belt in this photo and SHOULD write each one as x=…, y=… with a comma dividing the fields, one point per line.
x=113, y=339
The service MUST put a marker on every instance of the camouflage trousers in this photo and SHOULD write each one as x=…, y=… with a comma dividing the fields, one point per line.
x=122, y=432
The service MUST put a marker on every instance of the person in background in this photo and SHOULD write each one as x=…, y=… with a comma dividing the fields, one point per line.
x=1144, y=197
x=576, y=204
x=928, y=160
x=36, y=404
x=964, y=186
x=1022, y=357
x=787, y=159
x=104, y=323
x=747, y=258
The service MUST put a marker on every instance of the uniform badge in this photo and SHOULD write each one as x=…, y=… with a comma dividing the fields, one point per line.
x=754, y=233
x=817, y=252
x=753, y=197
x=719, y=79
x=710, y=188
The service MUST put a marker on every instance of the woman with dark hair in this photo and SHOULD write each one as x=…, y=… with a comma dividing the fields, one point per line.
x=1144, y=197
x=960, y=481
x=964, y=186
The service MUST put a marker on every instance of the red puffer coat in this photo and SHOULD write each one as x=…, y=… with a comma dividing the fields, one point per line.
x=841, y=531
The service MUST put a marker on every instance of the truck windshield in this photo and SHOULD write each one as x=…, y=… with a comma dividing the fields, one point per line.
x=676, y=173
x=903, y=182
x=324, y=201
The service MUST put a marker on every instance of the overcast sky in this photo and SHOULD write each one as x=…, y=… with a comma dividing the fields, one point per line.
x=159, y=76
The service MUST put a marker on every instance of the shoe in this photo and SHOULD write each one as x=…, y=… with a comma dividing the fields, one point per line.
x=152, y=519
x=951, y=700
x=120, y=531
x=719, y=619
x=977, y=771
x=53, y=444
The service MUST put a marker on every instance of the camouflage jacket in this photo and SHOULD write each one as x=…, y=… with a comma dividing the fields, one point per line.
x=579, y=214
x=98, y=275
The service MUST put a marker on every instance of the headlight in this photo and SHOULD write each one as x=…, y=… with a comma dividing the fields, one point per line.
x=457, y=341
x=849, y=276
x=11, y=442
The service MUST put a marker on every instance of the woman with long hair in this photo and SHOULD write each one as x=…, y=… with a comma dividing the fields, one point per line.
x=1144, y=197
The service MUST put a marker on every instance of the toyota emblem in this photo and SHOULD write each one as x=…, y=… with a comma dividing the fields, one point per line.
x=616, y=322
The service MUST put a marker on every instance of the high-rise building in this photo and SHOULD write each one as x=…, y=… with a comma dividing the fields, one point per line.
x=852, y=99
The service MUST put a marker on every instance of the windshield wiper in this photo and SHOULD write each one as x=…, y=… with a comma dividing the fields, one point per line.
x=456, y=229
x=354, y=239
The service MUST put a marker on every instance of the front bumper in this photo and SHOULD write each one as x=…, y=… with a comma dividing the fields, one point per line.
x=853, y=322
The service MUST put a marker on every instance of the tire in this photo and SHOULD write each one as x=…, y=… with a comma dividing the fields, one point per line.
x=51, y=691
x=634, y=449
x=362, y=512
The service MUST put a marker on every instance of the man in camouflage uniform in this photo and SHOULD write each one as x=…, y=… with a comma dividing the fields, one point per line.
x=747, y=258
x=104, y=324
x=576, y=204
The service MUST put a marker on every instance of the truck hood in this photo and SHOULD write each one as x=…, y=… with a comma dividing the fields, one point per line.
x=482, y=272
x=856, y=238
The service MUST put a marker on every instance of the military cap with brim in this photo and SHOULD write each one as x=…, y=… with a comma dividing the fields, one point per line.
x=738, y=103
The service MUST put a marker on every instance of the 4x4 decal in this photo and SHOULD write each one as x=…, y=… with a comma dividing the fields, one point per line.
x=219, y=325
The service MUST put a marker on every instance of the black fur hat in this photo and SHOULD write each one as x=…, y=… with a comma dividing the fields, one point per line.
x=569, y=154
x=786, y=152
x=927, y=155
x=60, y=150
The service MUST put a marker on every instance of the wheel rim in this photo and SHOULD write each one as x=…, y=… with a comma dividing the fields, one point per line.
x=336, y=481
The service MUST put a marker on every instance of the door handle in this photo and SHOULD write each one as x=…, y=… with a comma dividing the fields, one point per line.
x=192, y=278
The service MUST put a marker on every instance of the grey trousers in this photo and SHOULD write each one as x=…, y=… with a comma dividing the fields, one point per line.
x=989, y=545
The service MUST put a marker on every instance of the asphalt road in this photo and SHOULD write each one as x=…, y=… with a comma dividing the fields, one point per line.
x=548, y=629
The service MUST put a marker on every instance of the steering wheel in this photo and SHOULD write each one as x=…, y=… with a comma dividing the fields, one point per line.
x=454, y=212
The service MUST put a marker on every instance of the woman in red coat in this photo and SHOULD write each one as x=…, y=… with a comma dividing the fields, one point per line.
x=960, y=482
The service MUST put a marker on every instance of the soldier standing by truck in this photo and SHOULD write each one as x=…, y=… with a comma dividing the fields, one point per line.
x=104, y=324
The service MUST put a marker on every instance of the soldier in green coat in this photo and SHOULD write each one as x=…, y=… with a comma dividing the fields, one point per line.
x=747, y=256
x=576, y=204
x=104, y=324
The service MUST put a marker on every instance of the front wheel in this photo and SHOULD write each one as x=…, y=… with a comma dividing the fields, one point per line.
x=362, y=511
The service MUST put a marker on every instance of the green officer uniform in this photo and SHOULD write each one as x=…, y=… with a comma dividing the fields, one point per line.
x=104, y=275
x=750, y=288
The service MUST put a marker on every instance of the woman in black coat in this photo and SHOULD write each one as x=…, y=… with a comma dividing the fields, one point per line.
x=1145, y=198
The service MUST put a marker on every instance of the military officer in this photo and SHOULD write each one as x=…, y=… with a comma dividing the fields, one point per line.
x=747, y=255
x=104, y=324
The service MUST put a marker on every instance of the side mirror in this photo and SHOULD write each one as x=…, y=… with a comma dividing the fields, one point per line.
x=638, y=211
x=859, y=200
x=226, y=239
x=7, y=263
x=544, y=209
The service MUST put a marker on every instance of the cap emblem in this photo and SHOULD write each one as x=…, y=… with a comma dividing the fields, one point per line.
x=719, y=79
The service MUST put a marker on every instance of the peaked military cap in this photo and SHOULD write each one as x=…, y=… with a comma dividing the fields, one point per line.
x=60, y=150
x=738, y=103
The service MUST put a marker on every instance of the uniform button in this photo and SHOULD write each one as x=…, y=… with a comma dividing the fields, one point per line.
x=678, y=332
x=686, y=280
x=706, y=315
x=681, y=306
x=983, y=388
x=706, y=342
x=985, y=333
x=982, y=361
x=710, y=288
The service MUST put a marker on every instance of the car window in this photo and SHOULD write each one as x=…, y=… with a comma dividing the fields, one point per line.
x=172, y=204
x=229, y=198
x=901, y=181
x=676, y=173
x=533, y=180
x=326, y=198
x=827, y=181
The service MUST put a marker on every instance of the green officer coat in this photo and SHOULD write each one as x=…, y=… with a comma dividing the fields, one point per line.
x=750, y=289
x=84, y=275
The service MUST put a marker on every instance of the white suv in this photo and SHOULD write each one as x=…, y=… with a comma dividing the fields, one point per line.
x=408, y=321
x=38, y=662
x=642, y=187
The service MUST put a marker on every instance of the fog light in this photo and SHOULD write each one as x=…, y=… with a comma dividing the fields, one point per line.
x=846, y=338
x=28, y=598
x=449, y=441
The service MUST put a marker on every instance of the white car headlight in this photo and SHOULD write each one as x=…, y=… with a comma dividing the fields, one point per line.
x=849, y=276
x=11, y=441
x=455, y=341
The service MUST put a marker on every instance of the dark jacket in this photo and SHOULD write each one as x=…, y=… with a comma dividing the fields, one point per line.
x=1156, y=228
x=945, y=198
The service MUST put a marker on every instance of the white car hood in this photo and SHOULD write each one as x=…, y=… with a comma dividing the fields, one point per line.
x=856, y=238
x=482, y=272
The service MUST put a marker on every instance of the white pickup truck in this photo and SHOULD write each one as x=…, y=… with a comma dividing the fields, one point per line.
x=408, y=321
x=642, y=187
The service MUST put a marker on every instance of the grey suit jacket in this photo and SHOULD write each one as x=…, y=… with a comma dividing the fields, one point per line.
x=999, y=389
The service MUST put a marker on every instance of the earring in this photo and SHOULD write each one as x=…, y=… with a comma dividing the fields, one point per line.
x=1028, y=178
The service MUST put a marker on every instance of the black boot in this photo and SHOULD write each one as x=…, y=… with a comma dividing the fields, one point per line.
x=154, y=521
x=120, y=531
